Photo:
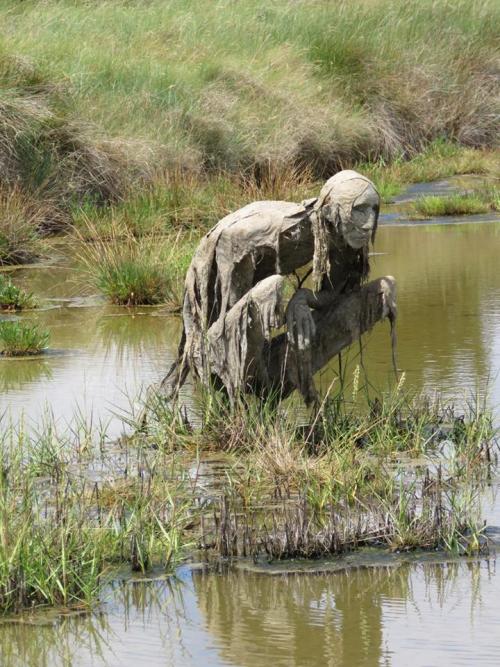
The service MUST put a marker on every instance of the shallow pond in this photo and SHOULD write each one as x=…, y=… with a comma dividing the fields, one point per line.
x=397, y=613
x=448, y=328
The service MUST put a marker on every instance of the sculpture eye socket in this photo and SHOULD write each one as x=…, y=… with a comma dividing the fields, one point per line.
x=362, y=208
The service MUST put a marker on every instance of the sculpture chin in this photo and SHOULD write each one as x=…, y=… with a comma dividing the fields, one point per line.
x=355, y=237
x=356, y=242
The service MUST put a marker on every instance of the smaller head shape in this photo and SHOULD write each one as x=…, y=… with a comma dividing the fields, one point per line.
x=349, y=204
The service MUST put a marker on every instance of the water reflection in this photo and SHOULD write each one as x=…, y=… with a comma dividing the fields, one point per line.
x=106, y=356
x=400, y=614
x=299, y=620
x=14, y=373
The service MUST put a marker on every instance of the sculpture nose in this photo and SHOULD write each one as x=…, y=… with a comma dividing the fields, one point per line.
x=370, y=222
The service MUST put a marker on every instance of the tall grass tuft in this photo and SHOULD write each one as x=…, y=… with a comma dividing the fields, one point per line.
x=18, y=339
x=13, y=297
x=21, y=217
x=433, y=206
x=131, y=270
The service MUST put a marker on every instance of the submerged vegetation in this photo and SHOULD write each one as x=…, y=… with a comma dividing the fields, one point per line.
x=18, y=339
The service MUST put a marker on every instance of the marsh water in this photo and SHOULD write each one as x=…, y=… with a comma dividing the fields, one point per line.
x=102, y=356
x=399, y=614
x=396, y=611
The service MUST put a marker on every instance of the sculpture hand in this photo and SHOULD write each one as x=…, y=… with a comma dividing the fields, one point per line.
x=299, y=320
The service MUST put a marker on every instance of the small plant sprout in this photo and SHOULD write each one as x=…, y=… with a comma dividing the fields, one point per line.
x=13, y=297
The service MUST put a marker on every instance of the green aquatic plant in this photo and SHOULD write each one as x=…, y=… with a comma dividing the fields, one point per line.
x=62, y=533
x=435, y=206
x=19, y=339
x=131, y=270
x=13, y=297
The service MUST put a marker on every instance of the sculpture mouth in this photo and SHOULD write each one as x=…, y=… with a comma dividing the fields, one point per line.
x=357, y=240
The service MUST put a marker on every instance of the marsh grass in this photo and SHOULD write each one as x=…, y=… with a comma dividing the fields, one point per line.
x=22, y=338
x=13, y=297
x=321, y=94
x=434, y=206
x=185, y=202
x=62, y=532
x=294, y=487
x=20, y=218
x=330, y=84
x=135, y=270
x=74, y=505
x=440, y=159
x=47, y=154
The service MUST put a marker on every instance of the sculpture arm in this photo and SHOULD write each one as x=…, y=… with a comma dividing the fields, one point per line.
x=300, y=323
x=301, y=328
x=315, y=300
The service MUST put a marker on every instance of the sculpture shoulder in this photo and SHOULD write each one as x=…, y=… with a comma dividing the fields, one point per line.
x=258, y=226
x=259, y=218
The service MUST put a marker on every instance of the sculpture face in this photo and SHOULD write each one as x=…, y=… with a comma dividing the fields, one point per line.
x=357, y=231
x=349, y=203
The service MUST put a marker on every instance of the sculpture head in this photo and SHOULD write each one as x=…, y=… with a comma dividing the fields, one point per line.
x=349, y=205
x=346, y=213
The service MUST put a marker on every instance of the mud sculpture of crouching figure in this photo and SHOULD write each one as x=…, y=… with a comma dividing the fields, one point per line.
x=233, y=292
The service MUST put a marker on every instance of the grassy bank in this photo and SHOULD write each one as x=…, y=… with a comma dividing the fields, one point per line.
x=329, y=84
x=98, y=97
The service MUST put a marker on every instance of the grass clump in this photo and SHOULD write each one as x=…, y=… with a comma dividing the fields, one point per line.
x=61, y=533
x=131, y=270
x=20, y=219
x=434, y=206
x=59, y=566
x=13, y=297
x=18, y=339
x=469, y=203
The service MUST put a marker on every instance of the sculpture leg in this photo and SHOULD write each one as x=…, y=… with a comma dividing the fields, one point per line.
x=336, y=329
x=237, y=344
